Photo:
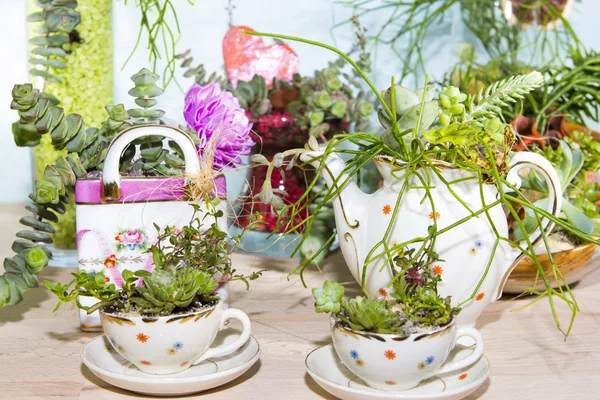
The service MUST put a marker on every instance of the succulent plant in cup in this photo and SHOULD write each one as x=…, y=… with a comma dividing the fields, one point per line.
x=379, y=339
x=137, y=319
x=189, y=263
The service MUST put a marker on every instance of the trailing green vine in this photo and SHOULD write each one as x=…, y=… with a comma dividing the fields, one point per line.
x=160, y=24
x=405, y=27
x=412, y=159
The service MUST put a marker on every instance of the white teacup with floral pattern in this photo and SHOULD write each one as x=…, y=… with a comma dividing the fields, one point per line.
x=394, y=362
x=171, y=344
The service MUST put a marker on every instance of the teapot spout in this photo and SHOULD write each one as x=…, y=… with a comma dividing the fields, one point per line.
x=335, y=176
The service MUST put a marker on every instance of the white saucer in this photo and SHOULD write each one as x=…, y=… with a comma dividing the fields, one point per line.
x=109, y=366
x=329, y=372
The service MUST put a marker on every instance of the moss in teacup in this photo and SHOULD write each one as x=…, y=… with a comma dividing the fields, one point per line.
x=189, y=263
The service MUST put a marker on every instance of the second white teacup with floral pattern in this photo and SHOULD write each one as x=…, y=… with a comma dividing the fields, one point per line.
x=394, y=362
x=171, y=344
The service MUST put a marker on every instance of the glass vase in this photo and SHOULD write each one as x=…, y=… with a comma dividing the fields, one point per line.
x=86, y=89
x=275, y=133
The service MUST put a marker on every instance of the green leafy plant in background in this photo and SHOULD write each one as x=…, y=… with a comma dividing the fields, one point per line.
x=328, y=102
x=57, y=22
x=570, y=89
x=313, y=101
x=577, y=208
x=86, y=150
x=406, y=26
x=418, y=157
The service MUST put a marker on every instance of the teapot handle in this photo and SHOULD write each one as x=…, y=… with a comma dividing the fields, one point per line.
x=538, y=163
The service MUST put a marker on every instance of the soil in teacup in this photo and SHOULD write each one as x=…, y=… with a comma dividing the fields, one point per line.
x=410, y=327
x=195, y=306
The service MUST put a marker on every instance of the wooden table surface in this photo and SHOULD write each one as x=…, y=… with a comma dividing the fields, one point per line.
x=40, y=351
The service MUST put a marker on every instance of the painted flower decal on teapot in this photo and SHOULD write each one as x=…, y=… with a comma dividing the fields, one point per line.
x=132, y=239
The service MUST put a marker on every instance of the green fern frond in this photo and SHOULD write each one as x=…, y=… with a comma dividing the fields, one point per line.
x=489, y=103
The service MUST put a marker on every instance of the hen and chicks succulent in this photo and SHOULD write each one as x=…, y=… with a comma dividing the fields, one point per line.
x=383, y=316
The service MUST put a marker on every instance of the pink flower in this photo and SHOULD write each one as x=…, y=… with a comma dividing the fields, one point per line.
x=132, y=236
x=211, y=111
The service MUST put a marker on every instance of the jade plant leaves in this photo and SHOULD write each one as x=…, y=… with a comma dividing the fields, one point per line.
x=404, y=99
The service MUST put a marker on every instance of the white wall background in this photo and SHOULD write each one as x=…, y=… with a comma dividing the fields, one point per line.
x=203, y=27
x=15, y=162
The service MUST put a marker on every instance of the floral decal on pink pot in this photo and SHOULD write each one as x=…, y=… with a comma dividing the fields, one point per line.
x=131, y=239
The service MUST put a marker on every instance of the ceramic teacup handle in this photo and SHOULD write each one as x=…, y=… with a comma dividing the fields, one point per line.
x=472, y=358
x=230, y=313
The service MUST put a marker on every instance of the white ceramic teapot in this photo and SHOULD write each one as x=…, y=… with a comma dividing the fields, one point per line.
x=467, y=271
